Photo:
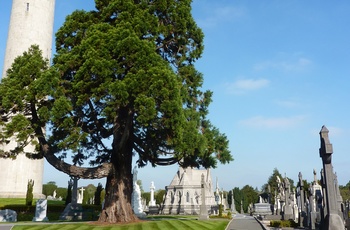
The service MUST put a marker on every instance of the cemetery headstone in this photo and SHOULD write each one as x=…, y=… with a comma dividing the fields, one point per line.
x=41, y=210
x=74, y=210
x=136, y=196
x=152, y=206
x=8, y=215
x=203, y=215
x=332, y=220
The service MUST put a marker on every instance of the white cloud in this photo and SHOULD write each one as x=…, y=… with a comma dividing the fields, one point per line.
x=220, y=15
x=299, y=64
x=244, y=85
x=279, y=122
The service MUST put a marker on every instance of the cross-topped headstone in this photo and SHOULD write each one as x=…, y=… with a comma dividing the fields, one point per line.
x=332, y=221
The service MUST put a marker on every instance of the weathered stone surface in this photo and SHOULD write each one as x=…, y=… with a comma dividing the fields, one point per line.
x=8, y=215
x=41, y=210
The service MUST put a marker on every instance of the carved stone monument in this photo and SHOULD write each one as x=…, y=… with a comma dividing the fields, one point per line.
x=332, y=220
x=152, y=206
x=136, y=196
x=73, y=210
x=203, y=215
x=41, y=210
x=8, y=215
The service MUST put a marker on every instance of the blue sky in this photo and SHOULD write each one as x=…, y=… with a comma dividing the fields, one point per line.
x=279, y=70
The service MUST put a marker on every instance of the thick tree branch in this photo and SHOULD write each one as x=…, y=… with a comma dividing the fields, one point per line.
x=76, y=171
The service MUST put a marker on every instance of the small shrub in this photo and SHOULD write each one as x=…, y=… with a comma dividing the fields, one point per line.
x=229, y=215
x=220, y=210
x=283, y=223
x=29, y=195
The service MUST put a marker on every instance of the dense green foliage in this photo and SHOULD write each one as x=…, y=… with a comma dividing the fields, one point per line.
x=49, y=188
x=159, y=196
x=345, y=191
x=29, y=194
x=283, y=223
x=97, y=197
x=123, y=84
x=246, y=195
x=125, y=62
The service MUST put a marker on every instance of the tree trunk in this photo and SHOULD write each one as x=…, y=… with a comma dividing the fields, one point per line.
x=117, y=207
x=119, y=185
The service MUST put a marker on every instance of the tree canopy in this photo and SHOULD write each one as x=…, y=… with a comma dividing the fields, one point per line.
x=123, y=84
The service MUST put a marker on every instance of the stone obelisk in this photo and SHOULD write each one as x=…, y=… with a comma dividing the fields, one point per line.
x=31, y=23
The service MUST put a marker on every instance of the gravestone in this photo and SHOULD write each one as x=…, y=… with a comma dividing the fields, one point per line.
x=152, y=206
x=233, y=206
x=262, y=208
x=136, y=196
x=288, y=207
x=301, y=204
x=203, y=215
x=152, y=202
x=80, y=195
x=41, y=210
x=73, y=210
x=332, y=220
x=8, y=215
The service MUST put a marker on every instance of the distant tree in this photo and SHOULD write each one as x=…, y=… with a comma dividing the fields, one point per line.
x=250, y=196
x=98, y=194
x=49, y=188
x=61, y=192
x=89, y=194
x=124, y=85
x=29, y=195
x=229, y=198
x=146, y=196
x=69, y=193
x=345, y=191
x=238, y=197
x=139, y=182
x=159, y=196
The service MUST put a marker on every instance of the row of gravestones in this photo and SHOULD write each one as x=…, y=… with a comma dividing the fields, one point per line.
x=322, y=206
x=9, y=215
x=74, y=211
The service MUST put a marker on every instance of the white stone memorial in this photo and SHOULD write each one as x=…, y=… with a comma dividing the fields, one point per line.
x=152, y=201
x=136, y=196
x=41, y=210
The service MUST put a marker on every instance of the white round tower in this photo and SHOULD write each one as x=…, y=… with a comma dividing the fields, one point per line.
x=31, y=23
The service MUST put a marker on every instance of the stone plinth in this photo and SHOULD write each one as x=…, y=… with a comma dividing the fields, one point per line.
x=72, y=212
x=262, y=209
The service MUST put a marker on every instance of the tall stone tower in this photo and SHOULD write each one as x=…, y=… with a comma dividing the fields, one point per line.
x=31, y=23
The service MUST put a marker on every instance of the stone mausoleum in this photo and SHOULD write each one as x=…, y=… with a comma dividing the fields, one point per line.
x=183, y=195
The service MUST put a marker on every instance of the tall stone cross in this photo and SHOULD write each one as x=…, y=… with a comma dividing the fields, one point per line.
x=152, y=202
x=332, y=221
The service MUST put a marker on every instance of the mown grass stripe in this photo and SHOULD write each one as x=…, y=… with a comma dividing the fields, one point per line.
x=184, y=224
x=171, y=224
x=168, y=224
x=198, y=224
x=151, y=225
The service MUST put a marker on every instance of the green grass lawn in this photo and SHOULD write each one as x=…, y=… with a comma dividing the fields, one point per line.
x=153, y=223
x=189, y=224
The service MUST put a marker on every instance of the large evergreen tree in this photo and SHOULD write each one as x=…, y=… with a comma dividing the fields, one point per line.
x=123, y=85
